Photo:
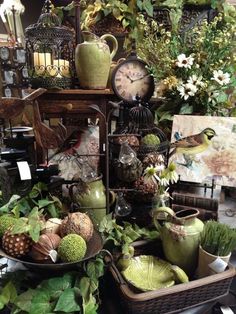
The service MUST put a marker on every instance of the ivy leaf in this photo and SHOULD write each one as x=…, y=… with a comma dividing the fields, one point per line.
x=86, y=287
x=24, y=300
x=53, y=212
x=37, y=189
x=95, y=269
x=7, y=207
x=8, y=294
x=44, y=203
x=67, y=302
x=56, y=286
x=35, y=232
x=41, y=303
x=20, y=226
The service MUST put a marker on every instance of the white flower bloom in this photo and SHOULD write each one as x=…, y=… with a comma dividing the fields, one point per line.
x=164, y=181
x=212, y=95
x=184, y=62
x=221, y=77
x=187, y=90
x=196, y=80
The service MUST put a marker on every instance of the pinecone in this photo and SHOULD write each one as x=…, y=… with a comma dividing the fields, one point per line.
x=16, y=245
x=153, y=159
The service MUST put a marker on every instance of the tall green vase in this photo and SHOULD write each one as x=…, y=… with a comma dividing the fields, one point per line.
x=93, y=60
x=180, y=235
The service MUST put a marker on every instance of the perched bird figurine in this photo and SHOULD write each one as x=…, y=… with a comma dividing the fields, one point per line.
x=192, y=145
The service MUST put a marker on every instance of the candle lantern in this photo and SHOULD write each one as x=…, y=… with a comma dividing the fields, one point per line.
x=50, y=51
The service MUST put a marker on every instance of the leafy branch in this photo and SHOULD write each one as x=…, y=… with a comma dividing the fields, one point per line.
x=39, y=197
x=123, y=236
x=75, y=292
x=31, y=225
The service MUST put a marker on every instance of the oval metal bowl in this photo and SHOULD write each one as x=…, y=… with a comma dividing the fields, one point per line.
x=94, y=246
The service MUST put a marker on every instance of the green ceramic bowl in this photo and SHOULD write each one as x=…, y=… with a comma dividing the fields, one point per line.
x=147, y=272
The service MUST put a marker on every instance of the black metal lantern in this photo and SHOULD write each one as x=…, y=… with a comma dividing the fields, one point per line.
x=50, y=51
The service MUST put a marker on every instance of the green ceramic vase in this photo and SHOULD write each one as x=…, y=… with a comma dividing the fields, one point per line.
x=180, y=234
x=91, y=198
x=93, y=60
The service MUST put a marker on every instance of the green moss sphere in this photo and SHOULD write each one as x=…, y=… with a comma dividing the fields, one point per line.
x=6, y=222
x=72, y=248
x=150, y=140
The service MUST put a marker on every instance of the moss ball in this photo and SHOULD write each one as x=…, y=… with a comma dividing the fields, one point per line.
x=72, y=248
x=6, y=222
x=150, y=140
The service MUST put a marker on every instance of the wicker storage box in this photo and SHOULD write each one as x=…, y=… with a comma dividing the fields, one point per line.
x=173, y=299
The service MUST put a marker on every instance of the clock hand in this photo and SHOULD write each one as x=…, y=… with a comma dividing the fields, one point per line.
x=128, y=77
x=140, y=78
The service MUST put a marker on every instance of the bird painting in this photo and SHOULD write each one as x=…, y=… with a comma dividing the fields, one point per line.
x=192, y=145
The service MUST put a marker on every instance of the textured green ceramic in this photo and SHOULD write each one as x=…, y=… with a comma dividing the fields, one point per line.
x=147, y=272
x=180, y=235
x=93, y=60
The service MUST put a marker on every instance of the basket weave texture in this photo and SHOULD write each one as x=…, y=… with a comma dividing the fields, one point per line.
x=173, y=299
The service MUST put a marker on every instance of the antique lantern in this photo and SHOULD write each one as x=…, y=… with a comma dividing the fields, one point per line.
x=50, y=51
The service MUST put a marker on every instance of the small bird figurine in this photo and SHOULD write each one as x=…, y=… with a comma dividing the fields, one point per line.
x=193, y=144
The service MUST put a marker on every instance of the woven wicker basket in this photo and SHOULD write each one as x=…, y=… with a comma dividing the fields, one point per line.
x=173, y=299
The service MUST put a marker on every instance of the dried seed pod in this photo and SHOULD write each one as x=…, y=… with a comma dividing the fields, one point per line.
x=52, y=225
x=16, y=245
x=42, y=250
x=78, y=223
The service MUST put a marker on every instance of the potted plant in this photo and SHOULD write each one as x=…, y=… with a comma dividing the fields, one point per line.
x=216, y=244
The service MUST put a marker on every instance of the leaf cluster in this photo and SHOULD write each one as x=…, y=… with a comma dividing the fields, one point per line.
x=32, y=224
x=123, y=236
x=218, y=239
x=38, y=197
x=74, y=292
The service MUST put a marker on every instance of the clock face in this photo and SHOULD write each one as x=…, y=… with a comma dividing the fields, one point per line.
x=131, y=79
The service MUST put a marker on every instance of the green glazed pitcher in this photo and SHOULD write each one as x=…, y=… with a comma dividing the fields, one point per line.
x=180, y=235
x=93, y=60
x=90, y=196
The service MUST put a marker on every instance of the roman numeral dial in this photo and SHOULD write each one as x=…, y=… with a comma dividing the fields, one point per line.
x=131, y=78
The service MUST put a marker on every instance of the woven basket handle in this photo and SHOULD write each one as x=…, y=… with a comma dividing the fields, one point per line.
x=109, y=261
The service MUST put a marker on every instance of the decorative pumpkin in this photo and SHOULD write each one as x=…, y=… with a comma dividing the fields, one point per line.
x=128, y=172
x=43, y=250
x=78, y=223
x=52, y=225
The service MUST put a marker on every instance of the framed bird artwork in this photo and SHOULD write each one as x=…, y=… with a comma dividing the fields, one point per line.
x=203, y=149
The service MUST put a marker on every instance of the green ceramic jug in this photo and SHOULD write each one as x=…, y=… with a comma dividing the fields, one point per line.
x=93, y=60
x=90, y=196
x=180, y=235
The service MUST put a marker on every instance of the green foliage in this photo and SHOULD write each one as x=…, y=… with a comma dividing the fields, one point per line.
x=39, y=197
x=218, y=239
x=123, y=236
x=31, y=225
x=75, y=292
x=206, y=85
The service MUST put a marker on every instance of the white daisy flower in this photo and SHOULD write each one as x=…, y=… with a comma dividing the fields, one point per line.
x=187, y=90
x=184, y=62
x=196, y=80
x=221, y=77
x=163, y=181
x=212, y=95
